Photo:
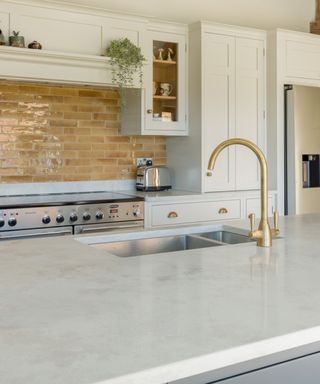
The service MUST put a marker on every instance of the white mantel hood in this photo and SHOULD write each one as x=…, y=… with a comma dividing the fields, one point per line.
x=73, y=42
x=29, y=64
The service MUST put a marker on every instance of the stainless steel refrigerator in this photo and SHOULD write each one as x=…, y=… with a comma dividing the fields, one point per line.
x=302, y=149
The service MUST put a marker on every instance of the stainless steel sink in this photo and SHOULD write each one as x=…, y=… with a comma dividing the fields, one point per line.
x=156, y=245
x=138, y=247
x=226, y=237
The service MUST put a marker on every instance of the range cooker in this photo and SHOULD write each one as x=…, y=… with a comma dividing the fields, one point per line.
x=68, y=213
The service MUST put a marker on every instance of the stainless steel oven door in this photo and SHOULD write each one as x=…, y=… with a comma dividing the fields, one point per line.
x=39, y=232
x=124, y=225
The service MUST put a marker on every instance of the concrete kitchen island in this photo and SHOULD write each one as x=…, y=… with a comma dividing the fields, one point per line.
x=70, y=313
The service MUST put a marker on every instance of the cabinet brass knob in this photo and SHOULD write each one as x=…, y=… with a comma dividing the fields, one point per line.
x=223, y=211
x=172, y=215
x=149, y=111
x=209, y=173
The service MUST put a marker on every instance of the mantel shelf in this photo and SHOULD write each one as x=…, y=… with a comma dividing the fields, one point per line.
x=45, y=65
x=38, y=54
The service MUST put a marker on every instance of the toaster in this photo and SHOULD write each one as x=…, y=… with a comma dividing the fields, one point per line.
x=153, y=178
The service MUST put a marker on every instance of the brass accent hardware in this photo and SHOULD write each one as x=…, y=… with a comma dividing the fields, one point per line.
x=275, y=231
x=172, y=215
x=149, y=111
x=252, y=218
x=264, y=233
x=222, y=211
x=209, y=173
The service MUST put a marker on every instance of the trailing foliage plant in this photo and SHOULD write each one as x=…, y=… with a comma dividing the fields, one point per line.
x=126, y=61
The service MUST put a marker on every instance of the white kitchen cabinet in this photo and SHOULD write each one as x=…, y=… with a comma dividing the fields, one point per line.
x=166, y=210
x=194, y=212
x=226, y=99
x=73, y=42
x=294, y=58
x=160, y=108
x=253, y=205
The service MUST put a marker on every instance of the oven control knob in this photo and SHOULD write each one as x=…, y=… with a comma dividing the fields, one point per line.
x=1, y=222
x=73, y=217
x=99, y=215
x=12, y=221
x=59, y=219
x=46, y=219
x=136, y=212
x=86, y=216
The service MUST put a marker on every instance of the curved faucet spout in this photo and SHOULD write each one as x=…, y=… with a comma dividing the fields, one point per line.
x=264, y=234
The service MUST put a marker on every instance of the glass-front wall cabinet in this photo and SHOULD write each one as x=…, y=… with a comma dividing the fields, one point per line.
x=159, y=108
x=165, y=81
x=166, y=92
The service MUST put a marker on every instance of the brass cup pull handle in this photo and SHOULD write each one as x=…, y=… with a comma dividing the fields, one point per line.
x=222, y=211
x=172, y=215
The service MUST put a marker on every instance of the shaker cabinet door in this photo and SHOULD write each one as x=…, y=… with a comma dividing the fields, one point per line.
x=160, y=108
x=249, y=118
x=233, y=106
x=218, y=108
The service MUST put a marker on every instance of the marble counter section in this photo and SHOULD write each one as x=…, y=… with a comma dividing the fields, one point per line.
x=70, y=313
x=181, y=196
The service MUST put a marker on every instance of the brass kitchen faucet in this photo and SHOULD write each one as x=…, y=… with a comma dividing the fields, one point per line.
x=264, y=233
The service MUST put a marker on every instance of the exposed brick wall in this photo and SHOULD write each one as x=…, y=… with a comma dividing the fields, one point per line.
x=67, y=133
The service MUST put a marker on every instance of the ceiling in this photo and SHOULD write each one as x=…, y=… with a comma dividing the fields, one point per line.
x=265, y=14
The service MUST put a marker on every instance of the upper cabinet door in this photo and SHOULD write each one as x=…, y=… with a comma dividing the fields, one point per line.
x=249, y=109
x=165, y=84
x=218, y=108
x=160, y=107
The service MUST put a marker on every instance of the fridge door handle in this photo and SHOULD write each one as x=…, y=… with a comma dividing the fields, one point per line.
x=305, y=174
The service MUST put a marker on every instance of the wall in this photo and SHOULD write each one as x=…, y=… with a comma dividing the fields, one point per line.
x=67, y=133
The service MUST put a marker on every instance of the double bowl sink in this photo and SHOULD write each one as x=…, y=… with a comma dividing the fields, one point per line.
x=180, y=242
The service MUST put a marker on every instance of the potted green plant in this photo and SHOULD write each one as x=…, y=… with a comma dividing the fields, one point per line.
x=126, y=61
x=15, y=40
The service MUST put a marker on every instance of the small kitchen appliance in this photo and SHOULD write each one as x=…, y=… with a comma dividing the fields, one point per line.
x=153, y=178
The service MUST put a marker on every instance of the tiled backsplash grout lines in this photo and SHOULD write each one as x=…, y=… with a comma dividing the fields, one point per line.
x=67, y=133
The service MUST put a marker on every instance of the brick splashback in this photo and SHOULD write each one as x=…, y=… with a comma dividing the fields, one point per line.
x=67, y=133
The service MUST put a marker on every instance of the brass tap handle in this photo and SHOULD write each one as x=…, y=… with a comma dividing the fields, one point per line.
x=276, y=219
x=252, y=218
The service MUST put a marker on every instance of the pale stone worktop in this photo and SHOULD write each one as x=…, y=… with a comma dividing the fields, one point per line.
x=73, y=314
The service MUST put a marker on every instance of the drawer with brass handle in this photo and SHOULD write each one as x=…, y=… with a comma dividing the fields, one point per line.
x=194, y=212
x=172, y=215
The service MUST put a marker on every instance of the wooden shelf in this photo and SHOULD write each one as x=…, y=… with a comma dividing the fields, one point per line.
x=38, y=54
x=164, y=62
x=159, y=97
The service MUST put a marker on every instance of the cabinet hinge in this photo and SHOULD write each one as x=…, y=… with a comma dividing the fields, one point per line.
x=264, y=52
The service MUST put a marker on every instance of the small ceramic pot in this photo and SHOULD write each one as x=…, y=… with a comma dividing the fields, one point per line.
x=2, y=39
x=35, y=45
x=16, y=41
